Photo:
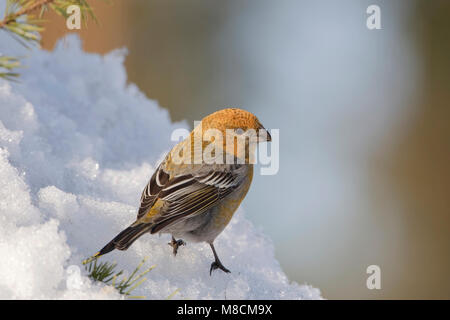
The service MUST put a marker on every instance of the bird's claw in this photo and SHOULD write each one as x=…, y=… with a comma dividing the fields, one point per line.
x=217, y=265
x=175, y=244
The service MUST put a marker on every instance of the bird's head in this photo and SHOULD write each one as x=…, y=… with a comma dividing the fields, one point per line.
x=225, y=133
x=236, y=122
x=235, y=131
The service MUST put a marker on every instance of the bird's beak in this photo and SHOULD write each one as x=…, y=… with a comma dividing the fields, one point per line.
x=269, y=137
x=264, y=135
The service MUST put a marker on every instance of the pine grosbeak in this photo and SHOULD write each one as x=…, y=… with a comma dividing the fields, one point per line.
x=195, y=200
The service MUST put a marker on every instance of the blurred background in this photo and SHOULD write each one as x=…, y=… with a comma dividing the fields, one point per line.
x=364, y=119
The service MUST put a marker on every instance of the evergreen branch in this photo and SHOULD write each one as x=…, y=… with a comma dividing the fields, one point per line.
x=27, y=7
x=20, y=22
x=8, y=63
x=105, y=272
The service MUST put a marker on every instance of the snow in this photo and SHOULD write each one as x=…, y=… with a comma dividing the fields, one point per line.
x=77, y=146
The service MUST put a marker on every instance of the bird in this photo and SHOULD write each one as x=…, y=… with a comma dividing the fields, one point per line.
x=191, y=196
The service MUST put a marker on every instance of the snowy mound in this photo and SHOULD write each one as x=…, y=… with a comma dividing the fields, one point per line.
x=77, y=146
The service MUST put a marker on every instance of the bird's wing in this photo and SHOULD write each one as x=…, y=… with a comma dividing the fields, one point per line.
x=151, y=191
x=187, y=194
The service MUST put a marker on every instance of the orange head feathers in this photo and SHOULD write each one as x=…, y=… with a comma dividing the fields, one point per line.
x=228, y=132
x=233, y=119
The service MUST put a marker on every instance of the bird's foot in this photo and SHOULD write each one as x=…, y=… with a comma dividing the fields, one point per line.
x=218, y=265
x=175, y=244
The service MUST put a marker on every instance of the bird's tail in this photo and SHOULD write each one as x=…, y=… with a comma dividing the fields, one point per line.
x=123, y=240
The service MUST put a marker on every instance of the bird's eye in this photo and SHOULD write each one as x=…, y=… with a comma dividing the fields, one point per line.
x=239, y=131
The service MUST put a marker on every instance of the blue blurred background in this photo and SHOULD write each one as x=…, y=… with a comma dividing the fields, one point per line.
x=363, y=114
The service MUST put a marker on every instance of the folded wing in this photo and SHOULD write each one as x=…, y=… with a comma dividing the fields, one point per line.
x=186, y=195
